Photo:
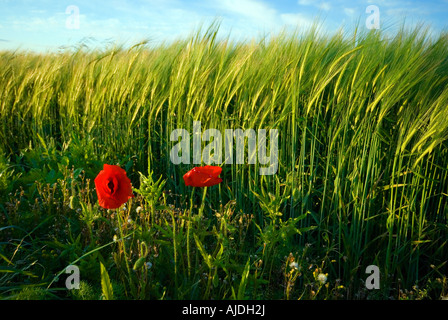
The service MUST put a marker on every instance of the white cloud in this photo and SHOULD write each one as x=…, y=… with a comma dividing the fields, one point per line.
x=325, y=6
x=297, y=20
x=349, y=11
x=252, y=18
x=321, y=5
x=306, y=2
x=251, y=9
x=36, y=24
x=38, y=11
x=407, y=11
x=389, y=3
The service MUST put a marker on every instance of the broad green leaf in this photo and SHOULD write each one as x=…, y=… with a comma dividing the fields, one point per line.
x=106, y=286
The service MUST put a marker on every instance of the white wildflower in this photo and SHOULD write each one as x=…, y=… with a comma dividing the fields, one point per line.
x=294, y=265
x=322, y=278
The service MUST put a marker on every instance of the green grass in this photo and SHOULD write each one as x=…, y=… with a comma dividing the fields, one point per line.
x=362, y=178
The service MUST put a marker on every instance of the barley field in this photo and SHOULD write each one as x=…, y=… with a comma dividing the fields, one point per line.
x=362, y=175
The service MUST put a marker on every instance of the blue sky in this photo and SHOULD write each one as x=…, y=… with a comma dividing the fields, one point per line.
x=44, y=25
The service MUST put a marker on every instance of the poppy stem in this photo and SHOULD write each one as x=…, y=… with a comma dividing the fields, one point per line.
x=188, y=232
x=201, y=208
x=131, y=285
x=175, y=252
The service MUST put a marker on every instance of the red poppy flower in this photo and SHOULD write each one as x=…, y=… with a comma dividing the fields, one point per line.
x=113, y=187
x=206, y=176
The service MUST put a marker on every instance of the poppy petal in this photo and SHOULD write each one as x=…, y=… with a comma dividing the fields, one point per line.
x=214, y=171
x=206, y=176
x=113, y=187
